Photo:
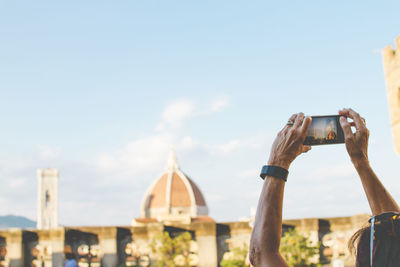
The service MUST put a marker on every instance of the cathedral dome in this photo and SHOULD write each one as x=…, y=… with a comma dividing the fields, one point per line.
x=173, y=196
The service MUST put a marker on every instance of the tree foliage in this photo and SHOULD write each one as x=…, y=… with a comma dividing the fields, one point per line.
x=298, y=250
x=236, y=257
x=172, y=252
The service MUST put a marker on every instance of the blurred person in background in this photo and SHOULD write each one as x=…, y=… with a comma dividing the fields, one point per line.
x=70, y=260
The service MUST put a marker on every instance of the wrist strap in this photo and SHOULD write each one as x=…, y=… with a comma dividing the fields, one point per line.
x=274, y=171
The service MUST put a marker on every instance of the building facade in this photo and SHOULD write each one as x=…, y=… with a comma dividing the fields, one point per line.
x=112, y=246
x=47, y=207
x=391, y=63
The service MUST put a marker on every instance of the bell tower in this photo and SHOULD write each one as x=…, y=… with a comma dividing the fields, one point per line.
x=391, y=63
x=47, y=213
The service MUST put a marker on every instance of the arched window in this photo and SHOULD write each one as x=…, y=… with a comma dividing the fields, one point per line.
x=47, y=199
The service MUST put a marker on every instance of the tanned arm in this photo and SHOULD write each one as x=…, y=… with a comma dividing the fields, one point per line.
x=266, y=235
x=379, y=198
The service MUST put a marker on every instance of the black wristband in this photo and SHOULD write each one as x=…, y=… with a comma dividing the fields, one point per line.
x=274, y=171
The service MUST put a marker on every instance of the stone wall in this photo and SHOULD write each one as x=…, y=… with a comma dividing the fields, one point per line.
x=332, y=234
x=211, y=243
x=14, y=248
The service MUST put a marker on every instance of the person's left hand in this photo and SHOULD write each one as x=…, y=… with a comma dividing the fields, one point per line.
x=289, y=142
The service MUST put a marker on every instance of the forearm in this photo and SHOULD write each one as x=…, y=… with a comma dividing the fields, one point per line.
x=379, y=198
x=267, y=230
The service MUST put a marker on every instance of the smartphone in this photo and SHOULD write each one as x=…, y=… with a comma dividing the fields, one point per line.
x=324, y=130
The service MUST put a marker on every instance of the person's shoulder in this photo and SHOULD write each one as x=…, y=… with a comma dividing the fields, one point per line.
x=70, y=263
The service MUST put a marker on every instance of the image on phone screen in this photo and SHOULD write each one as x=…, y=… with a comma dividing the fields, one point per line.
x=324, y=130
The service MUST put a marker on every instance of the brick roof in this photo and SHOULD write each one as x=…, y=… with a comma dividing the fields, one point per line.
x=173, y=189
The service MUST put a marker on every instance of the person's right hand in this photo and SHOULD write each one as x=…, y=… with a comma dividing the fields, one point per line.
x=289, y=142
x=356, y=143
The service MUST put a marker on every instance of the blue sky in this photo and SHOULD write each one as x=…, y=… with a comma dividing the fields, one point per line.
x=102, y=89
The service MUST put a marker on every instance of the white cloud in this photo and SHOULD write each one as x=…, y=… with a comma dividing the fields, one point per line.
x=188, y=143
x=149, y=155
x=219, y=104
x=118, y=177
x=255, y=142
x=180, y=110
x=137, y=156
x=175, y=113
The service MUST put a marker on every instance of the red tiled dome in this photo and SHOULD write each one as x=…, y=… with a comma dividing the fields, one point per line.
x=173, y=194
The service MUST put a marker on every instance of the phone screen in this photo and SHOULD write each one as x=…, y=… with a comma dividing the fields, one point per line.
x=324, y=130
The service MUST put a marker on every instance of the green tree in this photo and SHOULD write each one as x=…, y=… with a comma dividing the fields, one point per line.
x=236, y=257
x=297, y=250
x=172, y=252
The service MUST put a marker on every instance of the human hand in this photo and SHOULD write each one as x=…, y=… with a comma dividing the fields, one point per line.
x=356, y=143
x=289, y=142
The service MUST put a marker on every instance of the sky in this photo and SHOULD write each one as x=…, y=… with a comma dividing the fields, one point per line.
x=101, y=90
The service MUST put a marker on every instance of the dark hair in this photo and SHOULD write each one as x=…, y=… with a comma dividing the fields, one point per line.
x=69, y=256
x=386, y=251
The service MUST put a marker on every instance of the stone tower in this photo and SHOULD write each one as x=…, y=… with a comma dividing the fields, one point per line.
x=47, y=212
x=391, y=62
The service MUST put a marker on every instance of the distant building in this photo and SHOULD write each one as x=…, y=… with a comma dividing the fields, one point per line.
x=47, y=209
x=173, y=197
x=175, y=200
x=391, y=62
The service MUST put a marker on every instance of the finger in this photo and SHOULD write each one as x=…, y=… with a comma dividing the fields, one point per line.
x=299, y=120
x=293, y=117
x=357, y=119
x=305, y=149
x=344, y=112
x=349, y=113
x=287, y=126
x=346, y=127
x=306, y=124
